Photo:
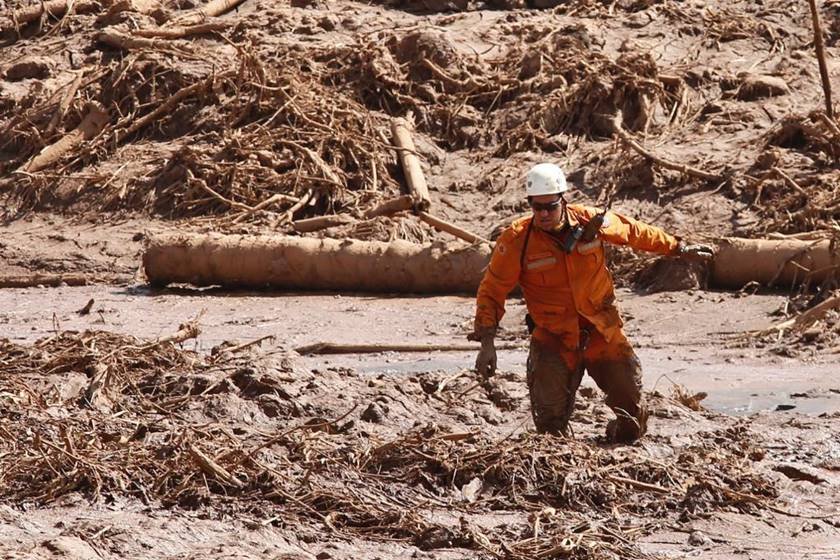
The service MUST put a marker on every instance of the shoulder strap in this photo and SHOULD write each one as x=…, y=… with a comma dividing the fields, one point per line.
x=525, y=246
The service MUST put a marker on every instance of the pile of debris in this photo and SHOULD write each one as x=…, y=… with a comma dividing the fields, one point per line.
x=106, y=416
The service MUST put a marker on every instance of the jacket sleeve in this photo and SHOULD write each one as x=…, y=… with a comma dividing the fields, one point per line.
x=621, y=230
x=501, y=276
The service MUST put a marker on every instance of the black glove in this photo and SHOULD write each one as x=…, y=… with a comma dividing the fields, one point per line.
x=696, y=252
x=485, y=363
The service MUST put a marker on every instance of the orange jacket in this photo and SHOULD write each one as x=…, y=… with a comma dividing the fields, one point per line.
x=559, y=287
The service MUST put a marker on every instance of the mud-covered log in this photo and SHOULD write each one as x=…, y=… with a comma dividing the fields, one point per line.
x=54, y=8
x=781, y=262
x=93, y=123
x=37, y=279
x=209, y=10
x=390, y=207
x=280, y=262
x=401, y=131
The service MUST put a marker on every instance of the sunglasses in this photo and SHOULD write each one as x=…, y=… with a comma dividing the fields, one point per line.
x=547, y=206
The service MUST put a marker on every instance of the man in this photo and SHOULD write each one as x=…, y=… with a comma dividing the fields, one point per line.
x=574, y=322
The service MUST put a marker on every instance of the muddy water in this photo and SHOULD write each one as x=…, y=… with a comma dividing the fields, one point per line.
x=676, y=335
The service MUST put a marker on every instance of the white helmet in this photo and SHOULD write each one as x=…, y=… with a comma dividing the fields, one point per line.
x=545, y=178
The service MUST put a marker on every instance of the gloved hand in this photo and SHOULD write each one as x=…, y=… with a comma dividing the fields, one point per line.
x=485, y=363
x=696, y=252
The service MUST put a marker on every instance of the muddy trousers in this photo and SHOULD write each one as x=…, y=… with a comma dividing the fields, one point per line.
x=555, y=372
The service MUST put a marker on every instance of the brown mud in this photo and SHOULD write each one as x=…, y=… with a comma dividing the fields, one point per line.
x=120, y=120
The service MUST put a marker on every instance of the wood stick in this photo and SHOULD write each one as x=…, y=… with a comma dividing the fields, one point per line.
x=213, y=469
x=277, y=197
x=168, y=105
x=832, y=126
x=50, y=280
x=64, y=104
x=401, y=131
x=245, y=345
x=392, y=206
x=188, y=330
x=451, y=228
x=54, y=8
x=212, y=9
x=638, y=484
x=91, y=125
x=182, y=31
x=787, y=178
x=334, y=348
x=694, y=172
x=119, y=40
x=321, y=222
x=807, y=317
x=818, y=46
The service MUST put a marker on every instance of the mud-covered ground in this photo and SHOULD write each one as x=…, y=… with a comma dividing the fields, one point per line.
x=121, y=120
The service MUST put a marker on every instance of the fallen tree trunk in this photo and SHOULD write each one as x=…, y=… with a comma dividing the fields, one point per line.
x=773, y=262
x=279, y=262
x=91, y=125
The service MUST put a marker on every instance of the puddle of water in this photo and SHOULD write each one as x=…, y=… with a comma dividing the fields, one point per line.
x=744, y=403
x=737, y=402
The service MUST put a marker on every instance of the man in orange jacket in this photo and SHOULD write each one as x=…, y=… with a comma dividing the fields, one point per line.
x=571, y=303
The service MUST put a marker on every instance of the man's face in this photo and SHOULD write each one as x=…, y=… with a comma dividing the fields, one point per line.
x=548, y=210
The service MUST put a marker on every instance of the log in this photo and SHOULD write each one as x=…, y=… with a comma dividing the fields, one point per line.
x=321, y=222
x=51, y=280
x=54, y=8
x=452, y=229
x=181, y=32
x=91, y=125
x=281, y=262
x=769, y=262
x=209, y=10
x=392, y=206
x=401, y=131
x=115, y=38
